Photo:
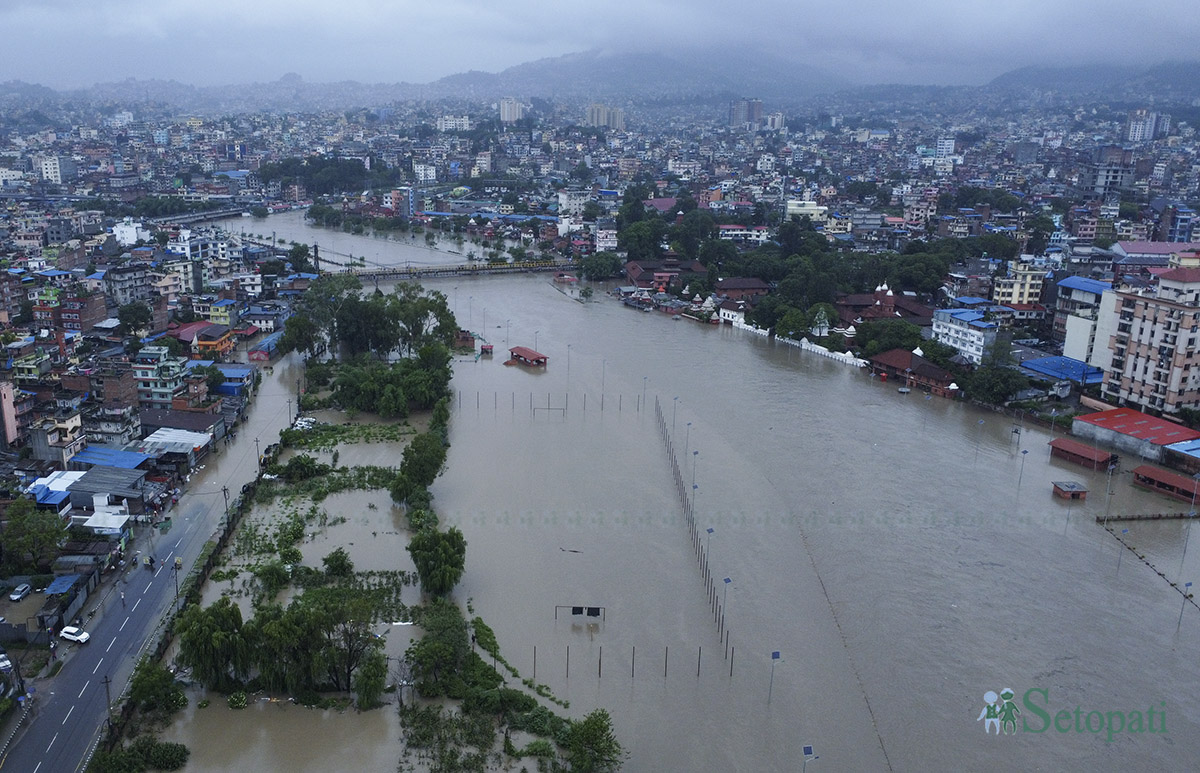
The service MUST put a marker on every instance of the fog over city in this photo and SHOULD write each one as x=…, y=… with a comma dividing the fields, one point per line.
x=75, y=43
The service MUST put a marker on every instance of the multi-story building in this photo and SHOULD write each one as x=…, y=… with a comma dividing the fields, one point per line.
x=159, y=376
x=571, y=202
x=57, y=439
x=401, y=201
x=746, y=113
x=454, y=123
x=968, y=331
x=1155, y=362
x=111, y=424
x=605, y=116
x=606, y=235
x=1022, y=284
x=127, y=283
x=1175, y=225
x=1145, y=125
x=424, y=173
x=1110, y=171
x=1076, y=294
x=511, y=110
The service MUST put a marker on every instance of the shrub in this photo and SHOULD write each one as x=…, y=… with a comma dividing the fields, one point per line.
x=237, y=700
x=165, y=755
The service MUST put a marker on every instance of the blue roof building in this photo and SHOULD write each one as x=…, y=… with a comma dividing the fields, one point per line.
x=967, y=330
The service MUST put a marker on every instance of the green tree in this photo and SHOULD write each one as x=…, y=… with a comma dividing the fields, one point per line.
x=593, y=210
x=601, y=265
x=31, y=537
x=438, y=656
x=298, y=256
x=153, y=687
x=641, y=240
x=345, y=618
x=423, y=459
x=300, y=333
x=882, y=336
x=338, y=564
x=134, y=317
x=213, y=375
x=592, y=747
x=439, y=557
x=370, y=679
x=994, y=383
x=212, y=644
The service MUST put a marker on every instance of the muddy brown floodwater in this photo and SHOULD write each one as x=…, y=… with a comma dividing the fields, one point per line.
x=902, y=557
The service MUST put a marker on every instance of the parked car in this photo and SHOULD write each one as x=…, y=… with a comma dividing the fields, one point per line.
x=75, y=634
x=20, y=592
x=5, y=664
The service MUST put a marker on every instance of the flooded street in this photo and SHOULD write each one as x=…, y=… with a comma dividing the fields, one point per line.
x=902, y=557
x=396, y=249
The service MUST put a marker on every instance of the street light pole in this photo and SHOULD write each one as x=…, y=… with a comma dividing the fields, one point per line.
x=257, y=453
x=674, y=410
x=694, y=455
x=687, y=438
x=1024, y=453
x=506, y=327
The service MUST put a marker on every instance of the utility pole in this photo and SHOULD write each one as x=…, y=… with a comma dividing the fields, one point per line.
x=225, y=493
x=108, y=698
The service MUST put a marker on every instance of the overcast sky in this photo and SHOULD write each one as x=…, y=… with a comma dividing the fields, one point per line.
x=69, y=43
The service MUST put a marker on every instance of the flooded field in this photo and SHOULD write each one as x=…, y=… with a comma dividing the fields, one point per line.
x=901, y=555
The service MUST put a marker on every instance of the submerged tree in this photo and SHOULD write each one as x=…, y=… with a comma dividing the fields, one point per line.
x=439, y=557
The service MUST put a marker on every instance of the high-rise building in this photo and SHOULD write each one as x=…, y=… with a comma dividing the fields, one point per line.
x=746, y=114
x=1155, y=360
x=1145, y=125
x=944, y=147
x=511, y=110
x=602, y=115
x=1110, y=171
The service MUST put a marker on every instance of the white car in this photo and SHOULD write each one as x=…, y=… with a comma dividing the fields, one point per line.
x=77, y=635
x=5, y=664
x=20, y=592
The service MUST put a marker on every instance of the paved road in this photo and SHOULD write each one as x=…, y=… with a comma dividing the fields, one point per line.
x=70, y=708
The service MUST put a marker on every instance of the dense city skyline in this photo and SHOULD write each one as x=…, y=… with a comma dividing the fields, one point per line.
x=70, y=43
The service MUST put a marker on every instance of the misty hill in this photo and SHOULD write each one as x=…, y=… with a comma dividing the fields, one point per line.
x=591, y=75
x=1072, y=80
x=610, y=75
x=1166, y=81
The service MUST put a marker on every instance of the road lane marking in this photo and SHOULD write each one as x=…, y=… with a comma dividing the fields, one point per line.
x=147, y=587
x=110, y=644
x=52, y=740
x=122, y=628
x=39, y=765
x=177, y=543
x=68, y=716
x=139, y=601
x=85, y=686
x=97, y=668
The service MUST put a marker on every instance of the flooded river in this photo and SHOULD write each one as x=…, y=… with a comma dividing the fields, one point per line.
x=902, y=555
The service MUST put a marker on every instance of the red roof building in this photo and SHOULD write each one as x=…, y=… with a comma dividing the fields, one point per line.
x=912, y=370
x=527, y=356
x=1081, y=453
x=879, y=305
x=1132, y=431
